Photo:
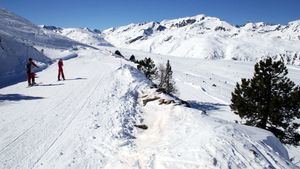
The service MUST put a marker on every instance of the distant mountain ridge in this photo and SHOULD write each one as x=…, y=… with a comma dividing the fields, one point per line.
x=210, y=38
x=82, y=35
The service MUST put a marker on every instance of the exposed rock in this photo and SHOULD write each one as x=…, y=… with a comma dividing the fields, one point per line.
x=149, y=100
x=144, y=96
x=164, y=101
x=141, y=126
x=135, y=39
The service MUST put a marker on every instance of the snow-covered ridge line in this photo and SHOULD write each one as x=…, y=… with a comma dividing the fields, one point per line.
x=82, y=35
x=210, y=38
x=26, y=32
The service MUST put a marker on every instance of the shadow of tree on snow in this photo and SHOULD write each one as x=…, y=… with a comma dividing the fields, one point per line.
x=205, y=106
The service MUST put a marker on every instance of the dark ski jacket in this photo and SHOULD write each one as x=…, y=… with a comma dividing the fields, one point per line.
x=29, y=66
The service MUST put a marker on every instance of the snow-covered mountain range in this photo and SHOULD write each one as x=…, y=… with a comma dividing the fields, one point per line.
x=198, y=37
x=210, y=38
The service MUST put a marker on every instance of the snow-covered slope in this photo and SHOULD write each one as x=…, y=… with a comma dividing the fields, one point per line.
x=20, y=39
x=82, y=35
x=88, y=121
x=13, y=56
x=24, y=31
x=209, y=37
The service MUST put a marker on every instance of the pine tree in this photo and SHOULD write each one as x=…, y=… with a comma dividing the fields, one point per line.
x=148, y=67
x=166, y=81
x=270, y=101
x=161, y=75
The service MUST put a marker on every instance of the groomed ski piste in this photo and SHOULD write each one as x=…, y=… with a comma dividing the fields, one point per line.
x=88, y=120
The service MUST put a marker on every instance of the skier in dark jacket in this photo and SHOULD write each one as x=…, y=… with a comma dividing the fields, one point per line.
x=30, y=73
x=60, y=70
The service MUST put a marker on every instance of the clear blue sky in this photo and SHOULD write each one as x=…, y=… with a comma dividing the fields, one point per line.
x=103, y=14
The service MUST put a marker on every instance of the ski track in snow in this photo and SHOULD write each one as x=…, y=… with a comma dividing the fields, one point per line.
x=78, y=111
x=50, y=127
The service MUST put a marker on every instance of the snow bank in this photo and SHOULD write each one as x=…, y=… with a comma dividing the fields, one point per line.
x=13, y=58
x=195, y=80
x=180, y=137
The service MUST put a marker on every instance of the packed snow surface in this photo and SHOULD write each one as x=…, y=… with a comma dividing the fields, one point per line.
x=87, y=121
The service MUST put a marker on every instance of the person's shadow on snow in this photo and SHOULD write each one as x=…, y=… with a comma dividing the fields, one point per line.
x=79, y=78
x=50, y=84
x=17, y=97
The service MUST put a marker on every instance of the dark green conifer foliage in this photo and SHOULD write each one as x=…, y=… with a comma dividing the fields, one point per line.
x=270, y=101
x=148, y=67
x=166, y=81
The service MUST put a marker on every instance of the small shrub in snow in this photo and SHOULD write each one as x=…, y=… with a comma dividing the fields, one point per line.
x=132, y=58
x=117, y=52
x=270, y=101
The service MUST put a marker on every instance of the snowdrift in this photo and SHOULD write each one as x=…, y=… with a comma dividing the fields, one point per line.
x=13, y=58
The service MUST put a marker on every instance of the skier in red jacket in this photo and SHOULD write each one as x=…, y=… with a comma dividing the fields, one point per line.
x=30, y=73
x=60, y=70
